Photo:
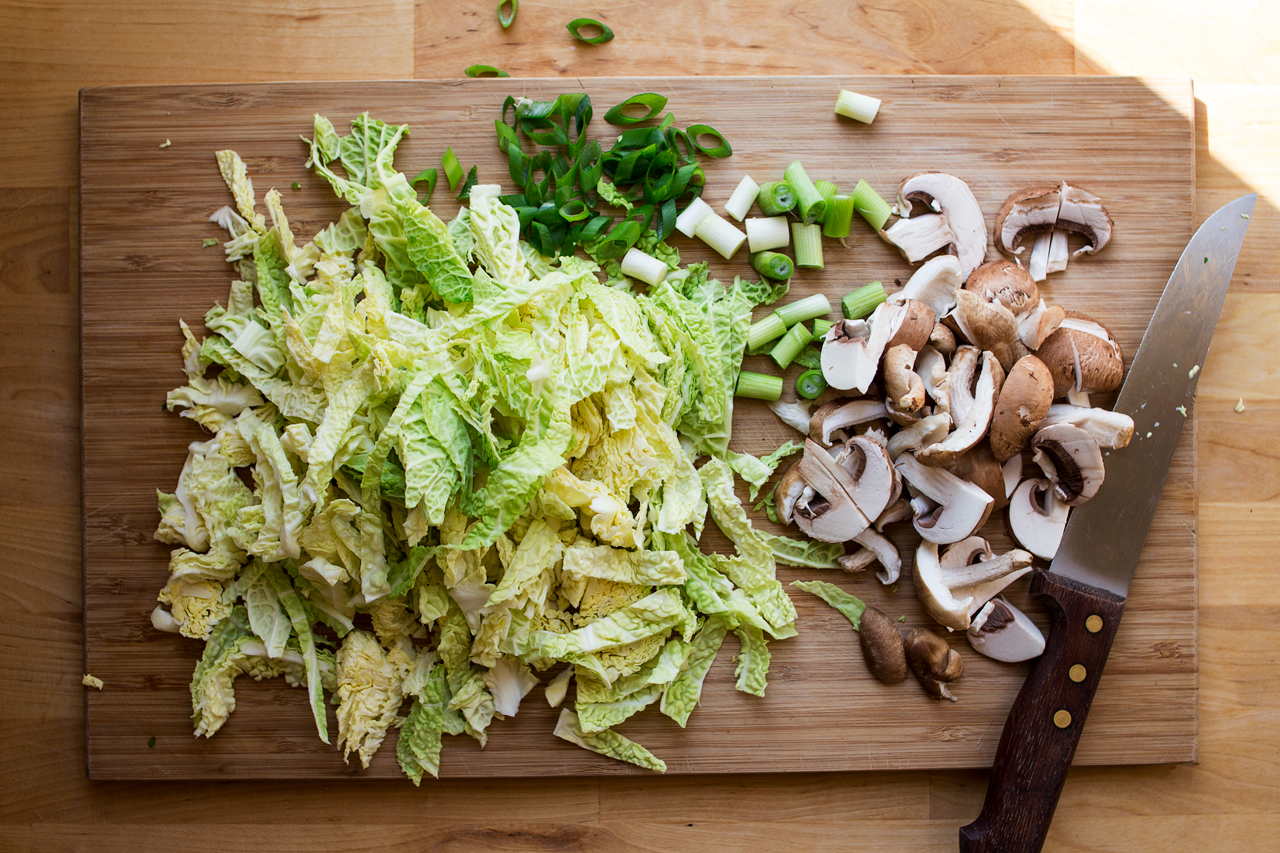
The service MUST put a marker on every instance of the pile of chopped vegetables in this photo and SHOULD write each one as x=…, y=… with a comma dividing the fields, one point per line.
x=470, y=462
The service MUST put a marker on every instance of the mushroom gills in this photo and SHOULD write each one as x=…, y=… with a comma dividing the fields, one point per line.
x=1070, y=458
x=1037, y=518
x=1004, y=633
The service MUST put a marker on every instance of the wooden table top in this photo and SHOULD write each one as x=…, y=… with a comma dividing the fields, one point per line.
x=1228, y=800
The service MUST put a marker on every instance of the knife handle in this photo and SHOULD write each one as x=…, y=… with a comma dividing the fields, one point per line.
x=1044, y=725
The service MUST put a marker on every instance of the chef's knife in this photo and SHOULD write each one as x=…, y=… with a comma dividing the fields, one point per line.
x=1087, y=584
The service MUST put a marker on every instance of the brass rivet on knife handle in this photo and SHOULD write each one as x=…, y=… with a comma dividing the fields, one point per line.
x=1093, y=624
x=1077, y=673
x=1062, y=719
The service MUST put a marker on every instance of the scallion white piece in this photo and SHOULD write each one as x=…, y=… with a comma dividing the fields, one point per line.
x=742, y=199
x=720, y=234
x=861, y=108
x=689, y=218
x=644, y=267
x=764, y=233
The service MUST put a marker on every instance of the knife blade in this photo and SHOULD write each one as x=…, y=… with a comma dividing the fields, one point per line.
x=1087, y=584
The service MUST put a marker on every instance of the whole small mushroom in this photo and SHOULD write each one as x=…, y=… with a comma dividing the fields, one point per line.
x=934, y=662
x=1082, y=354
x=1024, y=401
x=1005, y=282
x=882, y=647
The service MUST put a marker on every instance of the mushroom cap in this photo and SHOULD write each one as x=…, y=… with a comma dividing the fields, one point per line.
x=852, y=349
x=1039, y=323
x=1082, y=212
x=1037, y=518
x=979, y=466
x=934, y=284
x=922, y=433
x=973, y=427
x=1082, y=354
x=885, y=552
x=882, y=647
x=951, y=197
x=914, y=325
x=989, y=326
x=1071, y=459
x=933, y=661
x=961, y=509
x=943, y=339
x=962, y=377
x=840, y=414
x=1030, y=210
x=1005, y=282
x=904, y=387
x=872, y=474
x=790, y=488
x=1024, y=401
x=835, y=517
x=1004, y=633
x=933, y=592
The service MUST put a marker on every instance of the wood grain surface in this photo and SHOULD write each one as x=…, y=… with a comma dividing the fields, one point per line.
x=144, y=211
x=1228, y=799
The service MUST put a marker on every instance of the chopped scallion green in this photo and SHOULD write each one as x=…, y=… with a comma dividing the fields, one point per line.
x=789, y=346
x=811, y=384
x=862, y=301
x=651, y=101
x=868, y=202
x=470, y=182
x=808, y=244
x=429, y=176
x=776, y=198
x=485, y=71
x=771, y=265
x=839, y=216
x=801, y=310
x=820, y=329
x=452, y=169
x=697, y=131
x=827, y=190
x=809, y=202
x=765, y=330
x=507, y=12
x=759, y=386
x=576, y=26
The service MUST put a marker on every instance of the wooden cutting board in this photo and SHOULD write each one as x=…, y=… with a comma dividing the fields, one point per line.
x=149, y=183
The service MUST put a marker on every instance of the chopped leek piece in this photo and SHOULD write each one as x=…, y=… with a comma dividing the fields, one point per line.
x=868, y=202
x=697, y=131
x=765, y=330
x=820, y=329
x=720, y=234
x=507, y=12
x=428, y=175
x=789, y=346
x=808, y=240
x=689, y=218
x=810, y=384
x=743, y=197
x=827, y=190
x=776, y=198
x=839, y=216
x=801, y=310
x=862, y=301
x=809, y=202
x=577, y=24
x=771, y=265
x=861, y=108
x=651, y=101
x=759, y=386
x=485, y=71
x=452, y=169
x=767, y=233
x=645, y=267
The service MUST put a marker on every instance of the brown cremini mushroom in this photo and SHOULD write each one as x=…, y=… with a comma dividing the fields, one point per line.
x=882, y=647
x=1082, y=354
x=1024, y=401
x=1007, y=283
x=934, y=662
x=989, y=326
x=952, y=200
x=1072, y=461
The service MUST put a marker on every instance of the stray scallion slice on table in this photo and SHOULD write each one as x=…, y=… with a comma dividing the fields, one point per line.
x=767, y=232
x=868, y=202
x=809, y=202
x=771, y=265
x=644, y=267
x=808, y=240
x=839, y=216
x=811, y=384
x=427, y=176
x=788, y=347
x=485, y=71
x=859, y=304
x=623, y=113
x=765, y=330
x=759, y=386
x=744, y=195
x=698, y=131
x=861, y=108
x=577, y=25
x=801, y=310
x=507, y=12
x=720, y=234
x=776, y=198
x=452, y=169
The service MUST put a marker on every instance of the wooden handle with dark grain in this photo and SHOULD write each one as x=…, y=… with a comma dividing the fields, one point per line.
x=1044, y=725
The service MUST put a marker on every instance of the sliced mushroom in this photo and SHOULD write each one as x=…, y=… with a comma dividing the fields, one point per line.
x=962, y=506
x=830, y=515
x=1058, y=252
x=934, y=662
x=954, y=587
x=1082, y=212
x=943, y=339
x=899, y=510
x=884, y=551
x=922, y=433
x=790, y=489
x=1024, y=402
x=979, y=466
x=793, y=414
x=989, y=326
x=858, y=561
x=851, y=358
x=951, y=198
x=1070, y=458
x=1004, y=633
x=882, y=647
x=1037, y=518
x=1012, y=472
x=871, y=473
x=1082, y=354
x=934, y=284
x=1030, y=211
x=833, y=421
x=1038, y=263
x=1112, y=430
x=920, y=236
x=904, y=386
x=1039, y=323
x=971, y=430
x=931, y=367
x=962, y=377
x=1007, y=283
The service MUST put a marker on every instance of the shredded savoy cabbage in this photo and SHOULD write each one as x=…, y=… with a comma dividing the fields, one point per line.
x=469, y=463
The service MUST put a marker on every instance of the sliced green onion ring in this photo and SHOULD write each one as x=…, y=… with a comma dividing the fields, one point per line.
x=472, y=178
x=507, y=16
x=428, y=175
x=575, y=26
x=696, y=131
x=452, y=168
x=574, y=210
x=810, y=384
x=653, y=101
x=485, y=71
